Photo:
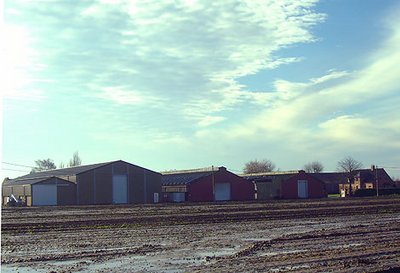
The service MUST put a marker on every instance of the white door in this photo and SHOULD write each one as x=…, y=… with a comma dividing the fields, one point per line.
x=156, y=197
x=44, y=195
x=222, y=191
x=120, y=189
x=302, y=188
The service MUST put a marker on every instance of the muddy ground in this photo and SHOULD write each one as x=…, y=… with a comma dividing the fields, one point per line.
x=331, y=235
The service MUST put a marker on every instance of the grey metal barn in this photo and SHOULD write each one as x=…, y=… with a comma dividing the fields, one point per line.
x=115, y=182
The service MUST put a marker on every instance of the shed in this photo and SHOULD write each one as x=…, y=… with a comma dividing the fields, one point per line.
x=332, y=180
x=303, y=185
x=287, y=185
x=43, y=191
x=205, y=185
x=115, y=182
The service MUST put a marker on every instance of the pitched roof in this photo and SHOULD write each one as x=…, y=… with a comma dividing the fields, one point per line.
x=330, y=178
x=71, y=171
x=268, y=176
x=185, y=177
x=367, y=175
x=30, y=181
x=333, y=177
x=62, y=172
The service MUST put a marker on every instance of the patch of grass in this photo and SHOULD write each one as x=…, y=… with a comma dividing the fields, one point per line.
x=335, y=195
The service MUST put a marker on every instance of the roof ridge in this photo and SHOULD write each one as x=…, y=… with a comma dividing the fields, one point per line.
x=198, y=170
x=21, y=178
x=83, y=166
x=270, y=173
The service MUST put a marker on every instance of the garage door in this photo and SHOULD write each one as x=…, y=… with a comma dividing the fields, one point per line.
x=302, y=188
x=120, y=189
x=177, y=197
x=44, y=195
x=222, y=191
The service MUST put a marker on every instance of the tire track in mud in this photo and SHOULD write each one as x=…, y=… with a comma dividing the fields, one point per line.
x=97, y=254
x=377, y=247
x=190, y=219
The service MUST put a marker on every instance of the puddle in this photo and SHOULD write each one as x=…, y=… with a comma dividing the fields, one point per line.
x=217, y=252
x=21, y=269
x=274, y=253
x=345, y=246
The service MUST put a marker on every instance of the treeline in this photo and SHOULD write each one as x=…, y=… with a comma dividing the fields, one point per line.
x=48, y=164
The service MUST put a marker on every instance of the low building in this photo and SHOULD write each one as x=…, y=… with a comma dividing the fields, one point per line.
x=45, y=191
x=115, y=182
x=205, y=185
x=332, y=180
x=287, y=185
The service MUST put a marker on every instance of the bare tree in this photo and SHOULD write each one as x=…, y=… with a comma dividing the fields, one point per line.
x=255, y=166
x=349, y=165
x=314, y=167
x=75, y=160
x=62, y=165
x=43, y=165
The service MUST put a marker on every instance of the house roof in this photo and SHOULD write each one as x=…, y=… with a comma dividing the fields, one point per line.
x=71, y=171
x=185, y=177
x=369, y=175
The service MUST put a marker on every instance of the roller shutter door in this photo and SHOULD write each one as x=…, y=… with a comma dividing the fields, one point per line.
x=302, y=188
x=44, y=195
x=120, y=189
x=178, y=197
x=222, y=191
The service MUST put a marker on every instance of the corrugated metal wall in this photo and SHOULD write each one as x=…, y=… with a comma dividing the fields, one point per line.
x=95, y=186
x=202, y=189
x=316, y=188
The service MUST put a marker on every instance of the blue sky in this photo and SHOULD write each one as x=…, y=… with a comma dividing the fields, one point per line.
x=187, y=84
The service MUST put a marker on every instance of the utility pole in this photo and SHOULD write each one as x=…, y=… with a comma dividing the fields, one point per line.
x=376, y=180
x=213, y=182
x=375, y=168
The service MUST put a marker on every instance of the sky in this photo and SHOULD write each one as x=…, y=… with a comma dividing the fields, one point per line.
x=181, y=84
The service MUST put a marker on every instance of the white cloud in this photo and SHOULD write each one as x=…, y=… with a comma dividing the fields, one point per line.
x=186, y=52
x=123, y=95
x=337, y=111
x=209, y=120
x=193, y=51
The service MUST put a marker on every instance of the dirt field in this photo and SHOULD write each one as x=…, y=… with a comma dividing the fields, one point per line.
x=332, y=235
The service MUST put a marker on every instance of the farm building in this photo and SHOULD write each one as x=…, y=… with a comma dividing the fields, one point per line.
x=287, y=185
x=116, y=182
x=43, y=191
x=205, y=185
x=332, y=180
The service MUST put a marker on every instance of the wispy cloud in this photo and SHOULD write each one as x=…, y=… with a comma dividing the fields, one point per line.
x=165, y=74
x=189, y=52
x=125, y=96
x=339, y=110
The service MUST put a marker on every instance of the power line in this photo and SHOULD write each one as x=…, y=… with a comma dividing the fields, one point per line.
x=22, y=171
x=389, y=167
x=18, y=165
